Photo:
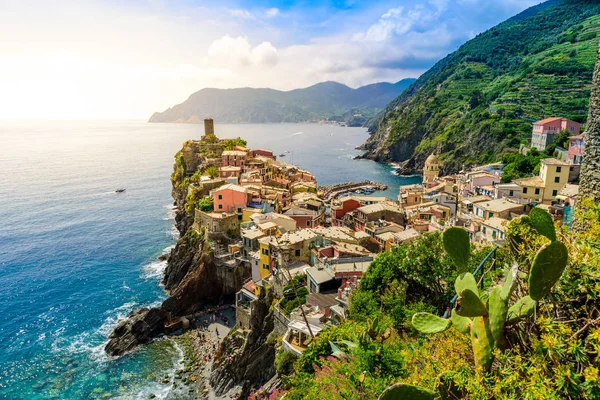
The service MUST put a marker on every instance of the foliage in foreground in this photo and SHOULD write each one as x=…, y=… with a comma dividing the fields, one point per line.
x=552, y=355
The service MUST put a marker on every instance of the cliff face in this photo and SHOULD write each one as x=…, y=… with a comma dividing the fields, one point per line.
x=193, y=278
x=247, y=360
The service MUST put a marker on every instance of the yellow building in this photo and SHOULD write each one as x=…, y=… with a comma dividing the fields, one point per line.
x=265, y=256
x=431, y=170
x=554, y=175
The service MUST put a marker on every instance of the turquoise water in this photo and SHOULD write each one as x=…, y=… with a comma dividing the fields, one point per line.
x=75, y=256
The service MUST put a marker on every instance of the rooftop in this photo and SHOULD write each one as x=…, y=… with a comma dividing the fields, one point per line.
x=499, y=205
x=298, y=236
x=408, y=234
x=351, y=267
x=379, y=207
x=231, y=186
x=534, y=181
x=320, y=275
x=335, y=233
x=569, y=190
x=296, y=210
x=553, y=161
x=496, y=223
x=230, y=168
x=234, y=153
x=252, y=234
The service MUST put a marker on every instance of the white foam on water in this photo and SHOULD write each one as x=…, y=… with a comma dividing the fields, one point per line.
x=155, y=269
x=159, y=390
x=297, y=133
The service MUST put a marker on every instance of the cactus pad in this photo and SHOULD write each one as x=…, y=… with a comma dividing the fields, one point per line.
x=483, y=343
x=462, y=324
x=429, y=323
x=466, y=281
x=470, y=305
x=403, y=391
x=521, y=309
x=507, y=286
x=548, y=265
x=458, y=246
x=542, y=222
x=498, y=310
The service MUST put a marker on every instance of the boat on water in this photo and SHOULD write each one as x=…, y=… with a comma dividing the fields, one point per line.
x=282, y=155
x=360, y=191
x=120, y=190
x=369, y=189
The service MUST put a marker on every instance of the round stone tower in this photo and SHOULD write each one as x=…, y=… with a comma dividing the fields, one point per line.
x=431, y=170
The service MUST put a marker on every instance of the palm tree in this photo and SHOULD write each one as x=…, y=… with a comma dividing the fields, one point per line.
x=589, y=178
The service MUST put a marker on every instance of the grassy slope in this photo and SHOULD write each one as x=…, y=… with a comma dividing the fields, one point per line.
x=535, y=65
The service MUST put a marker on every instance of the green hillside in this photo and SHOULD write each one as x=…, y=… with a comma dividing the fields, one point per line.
x=326, y=100
x=482, y=98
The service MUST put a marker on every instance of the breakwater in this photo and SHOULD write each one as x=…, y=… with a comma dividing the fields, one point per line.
x=332, y=191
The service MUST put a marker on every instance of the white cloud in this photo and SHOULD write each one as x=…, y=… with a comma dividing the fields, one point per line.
x=232, y=52
x=239, y=13
x=271, y=12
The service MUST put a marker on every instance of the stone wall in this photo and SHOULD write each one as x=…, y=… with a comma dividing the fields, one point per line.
x=217, y=223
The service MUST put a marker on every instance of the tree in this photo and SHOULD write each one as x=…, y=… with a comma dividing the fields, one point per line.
x=589, y=178
x=205, y=205
x=212, y=172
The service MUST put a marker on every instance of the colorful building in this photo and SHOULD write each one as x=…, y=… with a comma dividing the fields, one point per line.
x=544, y=131
x=431, y=170
x=230, y=198
x=576, y=149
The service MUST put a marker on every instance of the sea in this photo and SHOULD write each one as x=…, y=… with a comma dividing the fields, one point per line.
x=75, y=256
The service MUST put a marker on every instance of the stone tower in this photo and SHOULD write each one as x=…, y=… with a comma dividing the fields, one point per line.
x=589, y=178
x=431, y=170
x=209, y=130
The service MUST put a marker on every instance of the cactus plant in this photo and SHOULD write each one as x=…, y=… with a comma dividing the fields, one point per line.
x=462, y=324
x=470, y=305
x=548, y=265
x=523, y=308
x=542, y=222
x=458, y=246
x=486, y=323
x=403, y=391
x=429, y=323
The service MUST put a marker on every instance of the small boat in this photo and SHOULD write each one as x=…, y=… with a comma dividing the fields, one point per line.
x=282, y=155
x=119, y=190
x=369, y=189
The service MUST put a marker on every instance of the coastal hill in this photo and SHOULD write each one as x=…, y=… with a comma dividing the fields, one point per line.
x=327, y=100
x=482, y=98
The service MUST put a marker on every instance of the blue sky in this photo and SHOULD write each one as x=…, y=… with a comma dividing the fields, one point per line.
x=76, y=55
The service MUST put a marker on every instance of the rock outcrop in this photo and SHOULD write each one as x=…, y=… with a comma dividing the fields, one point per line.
x=247, y=359
x=140, y=327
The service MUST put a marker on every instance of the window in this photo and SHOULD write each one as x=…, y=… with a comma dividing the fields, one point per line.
x=265, y=266
x=537, y=191
x=511, y=193
x=557, y=179
x=265, y=252
x=524, y=190
x=220, y=197
x=484, y=230
x=308, y=222
x=297, y=253
x=554, y=193
x=558, y=169
x=491, y=214
x=220, y=206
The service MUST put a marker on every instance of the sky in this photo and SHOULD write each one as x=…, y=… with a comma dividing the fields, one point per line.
x=86, y=59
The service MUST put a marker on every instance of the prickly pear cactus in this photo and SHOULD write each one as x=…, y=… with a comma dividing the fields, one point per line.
x=523, y=308
x=548, y=265
x=470, y=305
x=542, y=222
x=498, y=309
x=482, y=341
x=462, y=324
x=403, y=391
x=429, y=323
x=466, y=281
x=458, y=246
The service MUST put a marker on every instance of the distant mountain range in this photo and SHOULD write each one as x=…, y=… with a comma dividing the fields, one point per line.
x=327, y=100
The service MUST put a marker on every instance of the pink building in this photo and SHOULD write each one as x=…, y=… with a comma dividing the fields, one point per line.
x=262, y=152
x=479, y=179
x=544, y=131
x=229, y=172
x=230, y=198
x=576, y=148
x=234, y=158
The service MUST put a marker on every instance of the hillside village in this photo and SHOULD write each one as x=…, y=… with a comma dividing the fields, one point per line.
x=272, y=219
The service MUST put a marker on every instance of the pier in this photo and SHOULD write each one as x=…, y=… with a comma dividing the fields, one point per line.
x=333, y=191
